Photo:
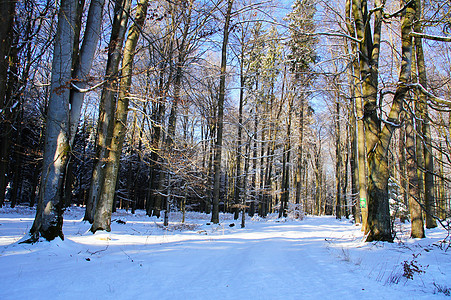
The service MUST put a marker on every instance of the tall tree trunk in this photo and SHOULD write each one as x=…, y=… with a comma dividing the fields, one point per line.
x=7, y=9
x=247, y=155
x=107, y=105
x=82, y=68
x=238, y=184
x=154, y=205
x=402, y=167
x=378, y=173
x=417, y=228
x=338, y=161
x=344, y=178
x=255, y=198
x=286, y=170
x=318, y=178
x=220, y=117
x=353, y=160
x=285, y=186
x=48, y=222
x=425, y=129
x=299, y=164
x=441, y=185
x=356, y=94
x=367, y=70
x=102, y=218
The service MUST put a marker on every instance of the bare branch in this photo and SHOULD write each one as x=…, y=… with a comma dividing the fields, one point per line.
x=430, y=95
x=431, y=37
x=81, y=90
x=388, y=16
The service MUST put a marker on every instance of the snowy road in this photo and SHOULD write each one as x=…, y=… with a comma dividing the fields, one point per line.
x=317, y=258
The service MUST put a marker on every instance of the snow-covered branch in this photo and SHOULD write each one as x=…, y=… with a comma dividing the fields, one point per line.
x=431, y=37
x=81, y=90
x=430, y=95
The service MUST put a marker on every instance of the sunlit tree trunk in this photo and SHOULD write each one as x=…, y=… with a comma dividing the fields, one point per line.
x=338, y=160
x=417, y=228
x=107, y=105
x=238, y=175
x=378, y=137
x=441, y=185
x=254, y=163
x=300, y=162
x=402, y=166
x=220, y=117
x=378, y=172
x=102, y=218
x=356, y=94
x=425, y=129
x=353, y=160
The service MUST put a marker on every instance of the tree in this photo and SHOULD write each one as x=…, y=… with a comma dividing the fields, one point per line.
x=377, y=136
x=102, y=217
x=424, y=125
x=48, y=222
x=301, y=56
x=220, y=115
x=416, y=218
x=107, y=104
x=7, y=9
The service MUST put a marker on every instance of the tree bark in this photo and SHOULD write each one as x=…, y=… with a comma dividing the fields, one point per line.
x=107, y=105
x=102, y=218
x=425, y=129
x=338, y=161
x=356, y=94
x=416, y=219
x=300, y=154
x=48, y=222
x=220, y=117
x=7, y=9
x=88, y=48
x=378, y=173
x=239, y=181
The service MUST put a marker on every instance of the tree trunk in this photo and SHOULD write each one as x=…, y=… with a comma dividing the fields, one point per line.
x=220, y=117
x=338, y=161
x=107, y=105
x=88, y=48
x=238, y=184
x=48, y=222
x=429, y=201
x=367, y=72
x=102, y=218
x=299, y=165
x=7, y=9
x=402, y=167
x=378, y=172
x=154, y=205
x=254, y=163
x=441, y=185
x=416, y=219
x=353, y=161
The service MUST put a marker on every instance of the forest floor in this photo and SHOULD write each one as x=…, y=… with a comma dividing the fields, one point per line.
x=313, y=258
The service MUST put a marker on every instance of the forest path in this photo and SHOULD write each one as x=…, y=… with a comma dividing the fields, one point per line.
x=316, y=258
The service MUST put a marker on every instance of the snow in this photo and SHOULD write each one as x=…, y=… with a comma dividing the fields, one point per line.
x=313, y=258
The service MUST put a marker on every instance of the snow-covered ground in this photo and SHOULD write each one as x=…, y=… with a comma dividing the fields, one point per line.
x=314, y=258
